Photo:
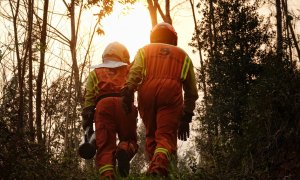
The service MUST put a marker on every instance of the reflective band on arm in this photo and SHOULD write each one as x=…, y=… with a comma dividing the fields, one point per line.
x=91, y=89
x=185, y=67
x=108, y=167
x=164, y=151
x=142, y=54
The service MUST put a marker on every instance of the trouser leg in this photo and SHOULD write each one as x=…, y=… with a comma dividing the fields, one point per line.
x=105, y=127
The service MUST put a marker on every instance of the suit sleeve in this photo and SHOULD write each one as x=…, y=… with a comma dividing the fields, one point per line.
x=90, y=91
x=190, y=90
x=136, y=71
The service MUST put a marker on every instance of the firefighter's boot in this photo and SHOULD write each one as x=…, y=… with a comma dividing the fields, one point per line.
x=158, y=165
x=124, y=153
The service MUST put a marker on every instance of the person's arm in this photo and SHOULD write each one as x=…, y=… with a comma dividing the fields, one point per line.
x=89, y=97
x=190, y=89
x=137, y=71
x=89, y=101
x=135, y=76
x=190, y=97
x=87, y=114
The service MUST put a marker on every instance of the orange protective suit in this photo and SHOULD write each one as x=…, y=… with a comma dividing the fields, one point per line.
x=110, y=119
x=159, y=73
x=102, y=89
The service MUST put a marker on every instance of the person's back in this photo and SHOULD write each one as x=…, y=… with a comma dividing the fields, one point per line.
x=159, y=73
x=164, y=66
x=164, y=61
x=111, y=80
x=104, y=105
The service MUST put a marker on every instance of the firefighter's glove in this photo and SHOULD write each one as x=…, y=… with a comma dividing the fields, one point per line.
x=184, y=126
x=88, y=116
x=127, y=99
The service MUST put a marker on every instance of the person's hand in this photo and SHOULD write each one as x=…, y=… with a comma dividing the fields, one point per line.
x=184, y=126
x=88, y=116
x=184, y=131
x=127, y=99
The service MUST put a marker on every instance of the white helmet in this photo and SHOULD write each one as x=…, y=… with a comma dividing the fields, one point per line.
x=117, y=52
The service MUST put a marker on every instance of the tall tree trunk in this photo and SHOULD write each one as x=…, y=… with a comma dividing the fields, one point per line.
x=73, y=44
x=20, y=66
x=210, y=35
x=153, y=6
x=165, y=16
x=214, y=49
x=294, y=39
x=39, y=82
x=47, y=121
x=153, y=12
x=202, y=72
x=168, y=18
x=212, y=43
x=75, y=69
x=30, y=56
x=279, y=29
x=291, y=30
x=88, y=50
x=289, y=41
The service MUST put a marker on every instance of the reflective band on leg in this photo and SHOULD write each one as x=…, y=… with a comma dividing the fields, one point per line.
x=107, y=167
x=164, y=151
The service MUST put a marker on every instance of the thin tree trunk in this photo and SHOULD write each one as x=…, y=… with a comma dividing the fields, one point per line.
x=88, y=49
x=49, y=121
x=210, y=35
x=39, y=82
x=73, y=44
x=279, y=29
x=47, y=134
x=294, y=39
x=212, y=43
x=30, y=81
x=20, y=64
x=290, y=27
x=202, y=72
x=289, y=41
x=214, y=49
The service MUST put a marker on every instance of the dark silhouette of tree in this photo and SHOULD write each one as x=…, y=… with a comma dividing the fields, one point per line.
x=40, y=76
x=251, y=87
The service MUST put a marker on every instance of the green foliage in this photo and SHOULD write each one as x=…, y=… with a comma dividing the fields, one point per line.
x=251, y=120
x=22, y=159
x=248, y=130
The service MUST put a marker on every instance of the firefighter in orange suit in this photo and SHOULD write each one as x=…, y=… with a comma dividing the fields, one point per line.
x=159, y=73
x=103, y=105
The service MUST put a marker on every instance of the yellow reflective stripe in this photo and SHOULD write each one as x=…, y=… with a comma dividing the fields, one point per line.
x=185, y=67
x=91, y=89
x=94, y=76
x=162, y=150
x=95, y=81
x=142, y=53
x=107, y=167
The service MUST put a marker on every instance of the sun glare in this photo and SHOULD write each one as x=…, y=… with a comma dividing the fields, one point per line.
x=128, y=24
